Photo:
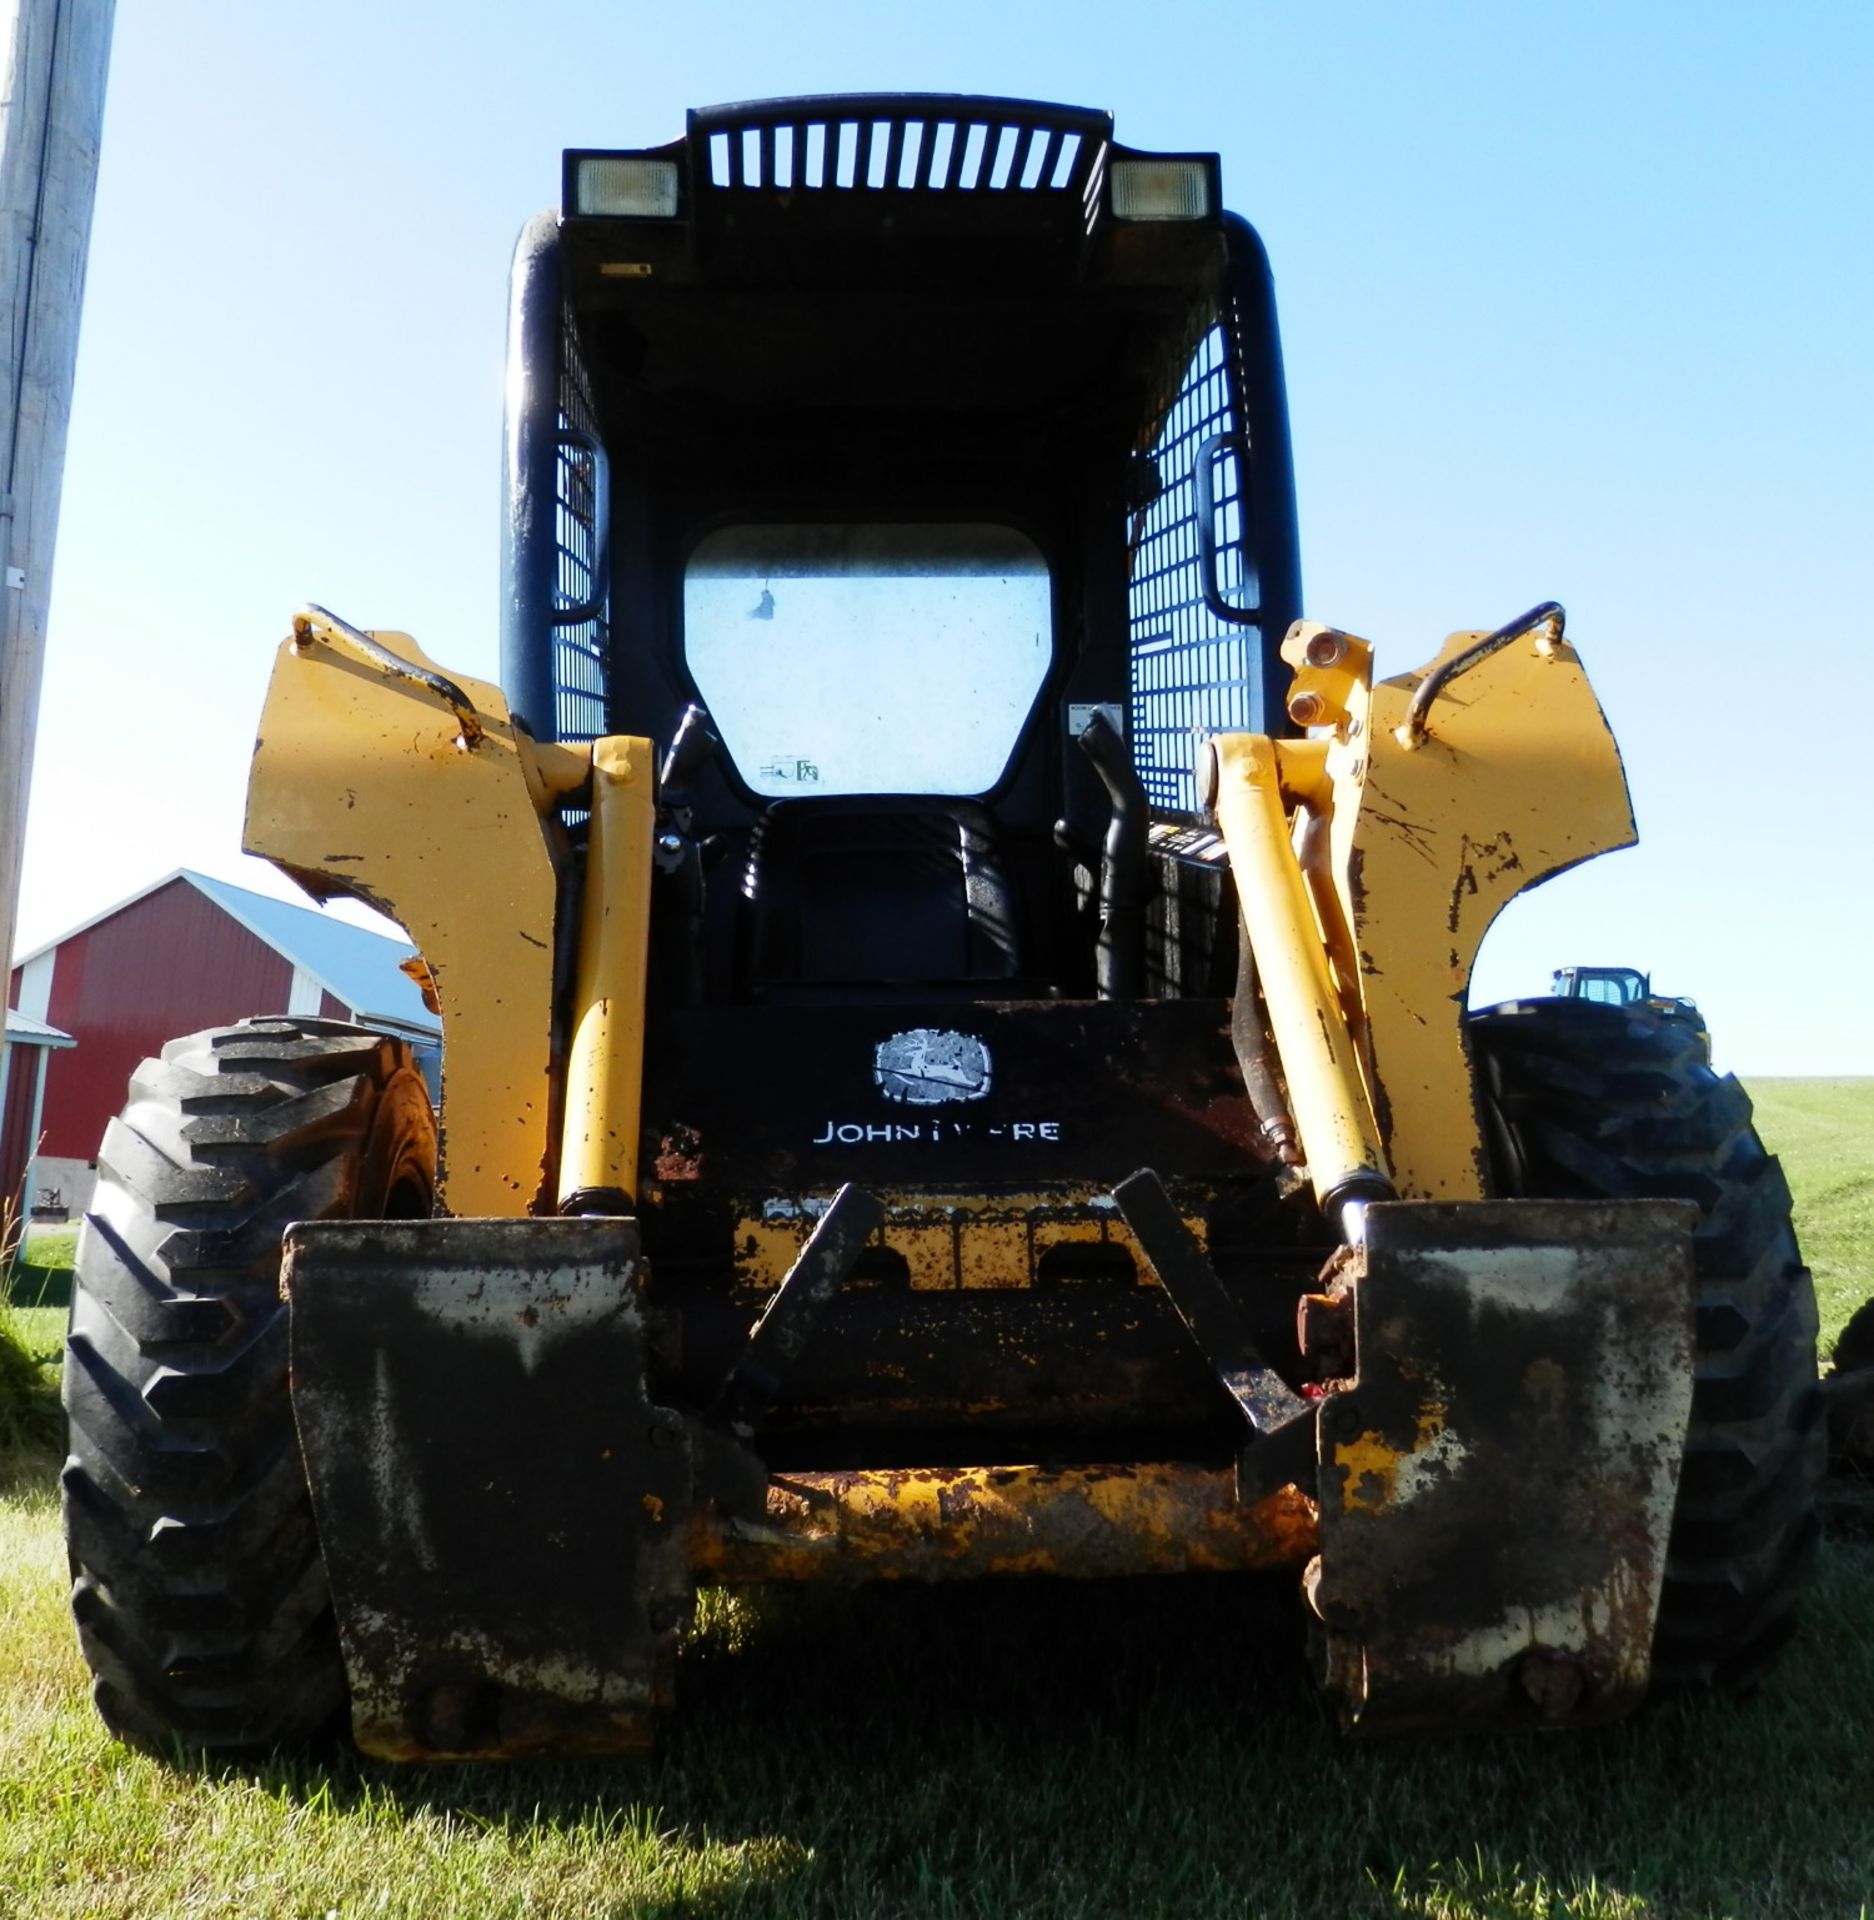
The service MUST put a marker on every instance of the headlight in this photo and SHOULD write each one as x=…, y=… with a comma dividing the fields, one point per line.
x=1160, y=190
x=631, y=189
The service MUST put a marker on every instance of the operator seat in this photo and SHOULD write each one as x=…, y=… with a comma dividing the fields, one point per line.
x=899, y=896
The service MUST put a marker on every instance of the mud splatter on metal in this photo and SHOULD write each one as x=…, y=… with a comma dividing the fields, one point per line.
x=1497, y=1480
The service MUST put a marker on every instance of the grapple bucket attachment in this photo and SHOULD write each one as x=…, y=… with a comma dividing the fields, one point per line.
x=503, y=1510
x=1497, y=1484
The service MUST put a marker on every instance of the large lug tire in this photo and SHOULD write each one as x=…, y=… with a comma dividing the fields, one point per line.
x=198, y=1586
x=1588, y=1101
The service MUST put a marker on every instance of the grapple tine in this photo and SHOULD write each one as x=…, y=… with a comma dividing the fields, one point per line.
x=788, y=1320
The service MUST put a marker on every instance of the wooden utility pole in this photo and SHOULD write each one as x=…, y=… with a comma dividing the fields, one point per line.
x=53, y=58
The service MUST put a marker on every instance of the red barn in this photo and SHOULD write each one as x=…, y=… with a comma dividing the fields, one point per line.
x=185, y=953
x=24, y=1057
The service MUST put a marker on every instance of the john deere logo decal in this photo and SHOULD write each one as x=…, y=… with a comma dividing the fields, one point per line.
x=930, y=1065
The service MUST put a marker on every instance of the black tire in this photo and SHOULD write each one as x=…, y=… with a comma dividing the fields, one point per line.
x=1589, y=1101
x=198, y=1586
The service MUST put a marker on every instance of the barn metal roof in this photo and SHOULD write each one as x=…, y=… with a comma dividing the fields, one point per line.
x=35, y=1033
x=360, y=967
x=355, y=965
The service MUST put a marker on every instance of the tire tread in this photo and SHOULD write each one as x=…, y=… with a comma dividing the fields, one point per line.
x=1583, y=1100
x=198, y=1585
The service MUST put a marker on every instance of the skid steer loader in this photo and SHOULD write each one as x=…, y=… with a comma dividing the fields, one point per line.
x=956, y=1051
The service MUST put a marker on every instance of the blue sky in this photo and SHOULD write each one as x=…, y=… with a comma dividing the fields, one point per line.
x=1575, y=301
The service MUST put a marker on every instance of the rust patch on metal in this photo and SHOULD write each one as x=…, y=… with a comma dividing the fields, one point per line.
x=956, y=1240
x=503, y=1511
x=962, y=1523
x=679, y=1154
x=1497, y=1481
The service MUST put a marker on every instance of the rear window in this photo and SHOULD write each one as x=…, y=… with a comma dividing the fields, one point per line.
x=838, y=659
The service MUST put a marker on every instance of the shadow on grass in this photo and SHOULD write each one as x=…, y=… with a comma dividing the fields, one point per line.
x=31, y=1422
x=1154, y=1748
x=30, y=1285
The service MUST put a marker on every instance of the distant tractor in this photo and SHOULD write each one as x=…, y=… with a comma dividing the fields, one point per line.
x=1627, y=987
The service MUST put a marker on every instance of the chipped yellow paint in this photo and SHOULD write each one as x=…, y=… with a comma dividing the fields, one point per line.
x=1374, y=1466
x=944, y=1523
x=932, y=1257
x=956, y=1240
x=361, y=784
x=765, y=1249
x=1371, y=1465
x=1517, y=779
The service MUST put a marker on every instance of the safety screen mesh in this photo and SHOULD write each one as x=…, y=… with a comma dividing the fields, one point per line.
x=1193, y=672
x=579, y=648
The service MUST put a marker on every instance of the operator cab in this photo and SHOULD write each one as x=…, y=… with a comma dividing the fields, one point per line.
x=1609, y=986
x=904, y=436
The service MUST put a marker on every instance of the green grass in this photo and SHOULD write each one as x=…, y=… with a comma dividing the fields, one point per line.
x=1032, y=1752
x=40, y=1330
x=1823, y=1130
x=1045, y=1751
x=35, y=1292
x=42, y=1271
x=29, y=1417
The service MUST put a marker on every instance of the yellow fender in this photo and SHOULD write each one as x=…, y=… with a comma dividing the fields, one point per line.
x=370, y=782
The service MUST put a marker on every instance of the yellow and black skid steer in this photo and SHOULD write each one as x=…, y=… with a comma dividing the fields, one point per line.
x=956, y=1050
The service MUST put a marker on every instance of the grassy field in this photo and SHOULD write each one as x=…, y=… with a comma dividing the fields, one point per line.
x=1047, y=1751
x=1823, y=1130
x=38, y=1293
